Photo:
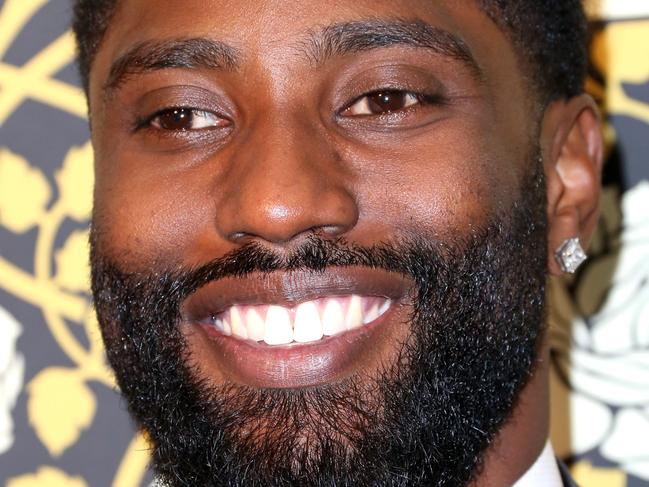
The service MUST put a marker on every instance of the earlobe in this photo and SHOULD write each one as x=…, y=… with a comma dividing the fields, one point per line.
x=573, y=153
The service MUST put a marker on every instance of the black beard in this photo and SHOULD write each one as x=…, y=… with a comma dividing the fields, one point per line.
x=426, y=420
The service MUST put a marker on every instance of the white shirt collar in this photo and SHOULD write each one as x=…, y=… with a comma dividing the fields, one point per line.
x=543, y=473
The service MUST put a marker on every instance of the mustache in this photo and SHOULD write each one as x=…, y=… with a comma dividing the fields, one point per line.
x=314, y=253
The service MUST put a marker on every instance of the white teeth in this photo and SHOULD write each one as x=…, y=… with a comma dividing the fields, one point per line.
x=307, y=326
x=236, y=322
x=384, y=307
x=354, y=317
x=278, y=326
x=255, y=325
x=371, y=314
x=333, y=320
x=312, y=319
x=218, y=323
x=223, y=326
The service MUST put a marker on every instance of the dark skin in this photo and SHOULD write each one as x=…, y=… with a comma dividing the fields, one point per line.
x=286, y=142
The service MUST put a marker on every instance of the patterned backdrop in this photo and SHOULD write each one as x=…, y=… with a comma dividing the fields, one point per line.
x=62, y=422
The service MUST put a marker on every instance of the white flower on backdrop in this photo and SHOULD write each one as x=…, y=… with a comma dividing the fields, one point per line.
x=617, y=9
x=12, y=372
x=609, y=355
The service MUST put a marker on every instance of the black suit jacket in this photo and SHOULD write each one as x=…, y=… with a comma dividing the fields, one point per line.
x=565, y=475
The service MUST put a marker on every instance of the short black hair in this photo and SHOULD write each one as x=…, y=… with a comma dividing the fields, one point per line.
x=550, y=37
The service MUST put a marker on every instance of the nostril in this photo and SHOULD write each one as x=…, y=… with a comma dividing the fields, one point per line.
x=239, y=236
x=331, y=230
x=331, y=213
x=326, y=231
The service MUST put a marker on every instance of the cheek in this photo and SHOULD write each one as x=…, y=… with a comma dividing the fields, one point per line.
x=448, y=183
x=145, y=214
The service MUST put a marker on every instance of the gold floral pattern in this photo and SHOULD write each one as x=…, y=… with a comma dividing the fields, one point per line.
x=48, y=208
x=52, y=367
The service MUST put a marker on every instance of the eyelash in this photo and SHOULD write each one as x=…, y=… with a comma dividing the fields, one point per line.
x=147, y=121
x=422, y=99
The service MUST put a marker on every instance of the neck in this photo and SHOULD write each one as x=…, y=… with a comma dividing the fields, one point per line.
x=522, y=439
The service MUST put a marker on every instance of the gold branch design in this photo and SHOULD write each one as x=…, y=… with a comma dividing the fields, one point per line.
x=60, y=291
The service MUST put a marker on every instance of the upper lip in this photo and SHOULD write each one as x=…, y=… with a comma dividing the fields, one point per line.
x=290, y=288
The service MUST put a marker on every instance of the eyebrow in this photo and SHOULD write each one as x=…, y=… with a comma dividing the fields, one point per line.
x=192, y=53
x=350, y=37
x=331, y=41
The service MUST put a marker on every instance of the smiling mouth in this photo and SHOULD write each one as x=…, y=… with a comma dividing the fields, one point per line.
x=296, y=329
x=309, y=321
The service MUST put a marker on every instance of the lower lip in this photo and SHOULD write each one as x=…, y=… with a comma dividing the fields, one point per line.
x=298, y=364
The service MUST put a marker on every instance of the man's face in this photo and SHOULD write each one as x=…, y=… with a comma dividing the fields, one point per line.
x=318, y=243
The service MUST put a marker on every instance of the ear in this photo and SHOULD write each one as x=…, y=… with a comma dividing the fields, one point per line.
x=573, y=150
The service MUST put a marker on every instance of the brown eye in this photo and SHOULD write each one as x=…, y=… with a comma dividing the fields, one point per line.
x=182, y=119
x=381, y=102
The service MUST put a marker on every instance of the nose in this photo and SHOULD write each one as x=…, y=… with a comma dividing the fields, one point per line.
x=284, y=182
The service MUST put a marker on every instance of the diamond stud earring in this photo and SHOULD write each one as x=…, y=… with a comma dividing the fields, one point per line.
x=570, y=255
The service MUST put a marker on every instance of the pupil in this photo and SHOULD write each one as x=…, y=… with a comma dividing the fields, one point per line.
x=387, y=101
x=177, y=119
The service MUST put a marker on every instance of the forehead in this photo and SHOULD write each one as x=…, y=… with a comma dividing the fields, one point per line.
x=274, y=31
x=264, y=17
